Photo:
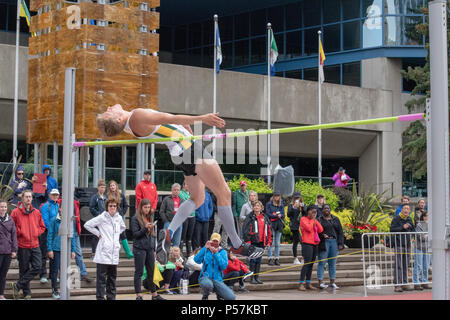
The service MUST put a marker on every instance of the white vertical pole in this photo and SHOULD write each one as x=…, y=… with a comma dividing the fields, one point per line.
x=319, y=164
x=269, y=40
x=216, y=18
x=124, y=170
x=152, y=161
x=66, y=229
x=440, y=223
x=16, y=86
x=36, y=157
x=55, y=160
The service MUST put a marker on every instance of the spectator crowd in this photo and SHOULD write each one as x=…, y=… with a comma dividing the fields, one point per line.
x=200, y=249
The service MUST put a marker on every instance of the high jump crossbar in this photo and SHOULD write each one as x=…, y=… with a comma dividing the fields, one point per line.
x=400, y=118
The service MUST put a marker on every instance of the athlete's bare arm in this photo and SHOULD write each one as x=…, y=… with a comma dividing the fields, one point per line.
x=144, y=121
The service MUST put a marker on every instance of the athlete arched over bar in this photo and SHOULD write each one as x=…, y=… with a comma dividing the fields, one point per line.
x=201, y=168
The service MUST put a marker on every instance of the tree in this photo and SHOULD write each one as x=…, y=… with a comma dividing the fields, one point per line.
x=414, y=148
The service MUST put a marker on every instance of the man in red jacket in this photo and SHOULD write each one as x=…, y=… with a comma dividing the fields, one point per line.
x=30, y=226
x=146, y=189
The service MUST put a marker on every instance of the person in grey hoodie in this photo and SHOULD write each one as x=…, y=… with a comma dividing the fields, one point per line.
x=19, y=184
x=8, y=244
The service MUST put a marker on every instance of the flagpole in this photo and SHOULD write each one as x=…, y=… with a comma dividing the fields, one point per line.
x=269, y=40
x=320, y=113
x=16, y=85
x=216, y=18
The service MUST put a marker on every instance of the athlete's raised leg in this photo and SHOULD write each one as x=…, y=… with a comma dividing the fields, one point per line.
x=210, y=173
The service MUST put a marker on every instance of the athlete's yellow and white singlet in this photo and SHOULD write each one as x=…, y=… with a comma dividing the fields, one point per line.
x=176, y=148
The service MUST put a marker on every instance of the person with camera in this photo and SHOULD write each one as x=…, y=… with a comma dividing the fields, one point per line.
x=296, y=210
x=144, y=243
x=275, y=213
x=215, y=260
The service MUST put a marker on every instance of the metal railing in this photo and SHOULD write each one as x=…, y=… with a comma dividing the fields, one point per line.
x=394, y=259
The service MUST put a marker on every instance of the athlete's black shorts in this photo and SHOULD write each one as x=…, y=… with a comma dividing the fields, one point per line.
x=195, y=152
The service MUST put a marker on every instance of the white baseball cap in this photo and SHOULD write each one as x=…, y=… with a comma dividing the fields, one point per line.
x=54, y=191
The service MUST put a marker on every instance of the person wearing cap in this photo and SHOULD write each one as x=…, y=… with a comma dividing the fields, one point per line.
x=275, y=213
x=19, y=184
x=97, y=206
x=240, y=197
x=146, y=189
x=340, y=178
x=296, y=210
x=49, y=211
x=320, y=202
x=215, y=260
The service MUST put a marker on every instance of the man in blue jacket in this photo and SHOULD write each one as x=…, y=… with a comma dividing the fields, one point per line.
x=54, y=251
x=49, y=211
x=214, y=259
x=202, y=216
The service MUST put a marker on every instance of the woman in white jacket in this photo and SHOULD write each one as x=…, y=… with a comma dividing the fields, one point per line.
x=107, y=227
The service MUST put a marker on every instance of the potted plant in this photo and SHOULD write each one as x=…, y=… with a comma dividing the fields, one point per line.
x=368, y=210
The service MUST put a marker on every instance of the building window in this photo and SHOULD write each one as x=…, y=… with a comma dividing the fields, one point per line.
x=165, y=39
x=293, y=16
x=332, y=38
x=208, y=57
x=409, y=85
x=180, y=38
x=294, y=74
x=393, y=6
x=393, y=31
x=351, y=74
x=241, y=26
x=195, y=57
x=3, y=15
x=311, y=41
x=350, y=9
x=372, y=23
x=332, y=74
x=293, y=44
x=227, y=55
x=311, y=13
x=208, y=32
x=331, y=11
x=226, y=29
x=241, y=53
x=413, y=6
x=195, y=35
x=352, y=35
x=276, y=18
x=310, y=74
x=410, y=35
x=258, y=50
x=258, y=22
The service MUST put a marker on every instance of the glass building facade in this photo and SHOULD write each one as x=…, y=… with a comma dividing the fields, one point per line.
x=348, y=27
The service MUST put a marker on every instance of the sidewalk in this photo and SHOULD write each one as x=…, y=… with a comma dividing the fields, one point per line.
x=345, y=293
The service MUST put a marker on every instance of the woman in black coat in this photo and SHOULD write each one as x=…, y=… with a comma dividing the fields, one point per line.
x=296, y=210
x=144, y=237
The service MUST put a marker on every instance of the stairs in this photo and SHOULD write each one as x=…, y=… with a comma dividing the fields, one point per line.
x=349, y=272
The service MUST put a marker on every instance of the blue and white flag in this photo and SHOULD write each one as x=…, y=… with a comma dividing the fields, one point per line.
x=273, y=53
x=218, y=51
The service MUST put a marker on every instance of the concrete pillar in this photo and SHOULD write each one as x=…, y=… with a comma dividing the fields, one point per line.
x=384, y=74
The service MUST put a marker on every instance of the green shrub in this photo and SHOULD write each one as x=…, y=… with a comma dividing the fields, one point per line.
x=345, y=198
x=310, y=190
x=257, y=185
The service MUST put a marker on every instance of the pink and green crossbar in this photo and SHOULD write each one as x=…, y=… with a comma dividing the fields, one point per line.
x=401, y=118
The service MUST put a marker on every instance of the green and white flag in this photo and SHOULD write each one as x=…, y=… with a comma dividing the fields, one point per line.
x=273, y=53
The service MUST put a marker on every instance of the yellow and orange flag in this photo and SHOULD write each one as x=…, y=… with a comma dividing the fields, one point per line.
x=321, y=61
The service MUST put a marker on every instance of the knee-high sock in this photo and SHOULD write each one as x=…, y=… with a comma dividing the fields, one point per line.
x=226, y=216
x=184, y=211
